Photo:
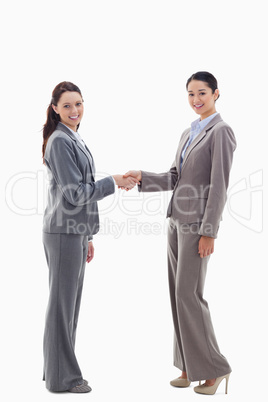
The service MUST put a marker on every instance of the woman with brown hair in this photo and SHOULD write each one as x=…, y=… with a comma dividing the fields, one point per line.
x=70, y=221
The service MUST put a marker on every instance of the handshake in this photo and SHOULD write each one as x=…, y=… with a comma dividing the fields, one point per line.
x=128, y=180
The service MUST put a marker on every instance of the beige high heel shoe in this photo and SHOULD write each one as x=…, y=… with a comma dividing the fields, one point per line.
x=210, y=390
x=181, y=382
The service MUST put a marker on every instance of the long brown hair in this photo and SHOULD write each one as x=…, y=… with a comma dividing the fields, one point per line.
x=52, y=117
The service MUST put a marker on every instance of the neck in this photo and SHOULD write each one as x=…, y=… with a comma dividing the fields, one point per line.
x=74, y=128
x=205, y=115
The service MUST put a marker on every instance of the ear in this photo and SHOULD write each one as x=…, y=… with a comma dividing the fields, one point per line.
x=216, y=94
x=55, y=108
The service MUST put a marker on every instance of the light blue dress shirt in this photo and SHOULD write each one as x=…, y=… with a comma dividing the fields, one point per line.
x=196, y=127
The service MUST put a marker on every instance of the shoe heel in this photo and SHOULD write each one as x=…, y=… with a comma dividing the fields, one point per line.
x=226, y=383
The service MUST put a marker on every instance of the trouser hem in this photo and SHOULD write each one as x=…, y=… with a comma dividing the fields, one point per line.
x=72, y=385
x=203, y=377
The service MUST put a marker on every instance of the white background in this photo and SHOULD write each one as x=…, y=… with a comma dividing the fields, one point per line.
x=131, y=60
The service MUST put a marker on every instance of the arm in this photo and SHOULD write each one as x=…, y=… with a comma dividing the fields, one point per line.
x=62, y=162
x=222, y=149
x=155, y=181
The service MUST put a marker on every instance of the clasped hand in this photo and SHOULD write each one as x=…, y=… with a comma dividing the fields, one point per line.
x=128, y=180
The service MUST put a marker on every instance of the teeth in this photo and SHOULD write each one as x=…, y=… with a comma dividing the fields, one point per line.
x=198, y=106
x=73, y=117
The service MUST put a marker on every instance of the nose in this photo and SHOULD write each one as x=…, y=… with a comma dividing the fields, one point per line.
x=196, y=99
x=74, y=110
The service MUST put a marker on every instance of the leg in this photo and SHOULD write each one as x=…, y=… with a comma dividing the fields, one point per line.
x=66, y=257
x=179, y=360
x=79, y=290
x=203, y=359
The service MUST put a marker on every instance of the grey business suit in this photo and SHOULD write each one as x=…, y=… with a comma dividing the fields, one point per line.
x=199, y=195
x=70, y=220
x=73, y=192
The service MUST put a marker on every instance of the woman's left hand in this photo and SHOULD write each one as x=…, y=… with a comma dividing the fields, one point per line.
x=90, y=252
x=206, y=246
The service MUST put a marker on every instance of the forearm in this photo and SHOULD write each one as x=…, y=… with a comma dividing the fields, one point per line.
x=152, y=182
x=211, y=220
x=85, y=193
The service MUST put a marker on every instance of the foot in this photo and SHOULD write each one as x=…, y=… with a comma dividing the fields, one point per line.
x=181, y=382
x=183, y=375
x=210, y=383
x=80, y=389
x=210, y=386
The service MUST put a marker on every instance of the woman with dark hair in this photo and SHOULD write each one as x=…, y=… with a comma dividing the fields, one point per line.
x=199, y=179
x=70, y=221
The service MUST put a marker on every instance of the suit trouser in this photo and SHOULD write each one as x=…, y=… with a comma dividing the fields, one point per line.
x=195, y=346
x=66, y=257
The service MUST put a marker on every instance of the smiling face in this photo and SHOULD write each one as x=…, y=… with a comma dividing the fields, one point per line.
x=201, y=98
x=70, y=108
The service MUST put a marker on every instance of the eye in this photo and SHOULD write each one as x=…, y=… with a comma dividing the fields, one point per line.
x=79, y=104
x=191, y=94
x=202, y=93
x=66, y=106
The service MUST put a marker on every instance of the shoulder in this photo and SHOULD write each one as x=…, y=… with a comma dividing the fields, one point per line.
x=185, y=133
x=222, y=129
x=59, y=136
x=222, y=126
x=58, y=139
x=223, y=133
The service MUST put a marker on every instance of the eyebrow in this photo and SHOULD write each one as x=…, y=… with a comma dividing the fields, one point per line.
x=68, y=103
x=199, y=90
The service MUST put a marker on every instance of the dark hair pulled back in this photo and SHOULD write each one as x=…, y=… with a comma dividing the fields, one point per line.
x=52, y=117
x=206, y=77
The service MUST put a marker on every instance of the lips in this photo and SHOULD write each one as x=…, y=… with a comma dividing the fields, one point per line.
x=198, y=106
x=74, y=117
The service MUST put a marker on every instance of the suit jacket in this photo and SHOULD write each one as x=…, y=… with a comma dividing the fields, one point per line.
x=200, y=186
x=73, y=192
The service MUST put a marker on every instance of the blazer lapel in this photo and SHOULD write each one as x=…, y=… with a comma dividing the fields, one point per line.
x=85, y=149
x=182, y=145
x=200, y=136
x=197, y=139
x=87, y=153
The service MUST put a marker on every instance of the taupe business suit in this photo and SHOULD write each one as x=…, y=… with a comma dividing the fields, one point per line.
x=70, y=220
x=199, y=195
